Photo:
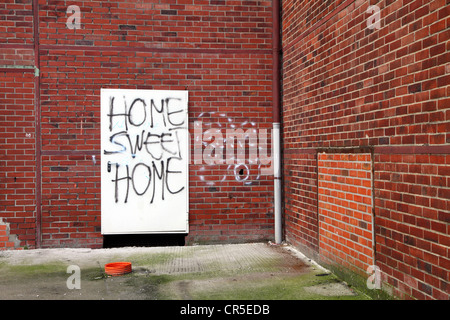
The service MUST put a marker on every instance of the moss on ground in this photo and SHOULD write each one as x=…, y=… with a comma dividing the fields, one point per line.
x=267, y=278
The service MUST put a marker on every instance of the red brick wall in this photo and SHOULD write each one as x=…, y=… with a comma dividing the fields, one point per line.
x=218, y=50
x=17, y=124
x=412, y=222
x=344, y=86
x=17, y=161
x=17, y=22
x=345, y=210
x=347, y=87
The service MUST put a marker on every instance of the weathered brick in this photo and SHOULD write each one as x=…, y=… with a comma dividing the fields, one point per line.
x=224, y=62
x=326, y=107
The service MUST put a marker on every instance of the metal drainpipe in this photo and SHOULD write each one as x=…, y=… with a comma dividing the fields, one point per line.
x=37, y=103
x=276, y=137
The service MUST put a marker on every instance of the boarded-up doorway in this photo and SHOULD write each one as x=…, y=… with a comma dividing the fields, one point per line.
x=345, y=209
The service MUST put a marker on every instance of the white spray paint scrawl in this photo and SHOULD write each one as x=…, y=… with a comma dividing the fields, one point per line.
x=225, y=143
x=144, y=163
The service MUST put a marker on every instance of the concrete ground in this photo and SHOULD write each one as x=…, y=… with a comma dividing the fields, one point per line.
x=257, y=271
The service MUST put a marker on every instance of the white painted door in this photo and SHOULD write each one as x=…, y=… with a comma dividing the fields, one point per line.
x=144, y=161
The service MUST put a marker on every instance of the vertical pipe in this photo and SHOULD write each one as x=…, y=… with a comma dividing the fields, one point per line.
x=37, y=114
x=276, y=60
x=277, y=183
x=276, y=137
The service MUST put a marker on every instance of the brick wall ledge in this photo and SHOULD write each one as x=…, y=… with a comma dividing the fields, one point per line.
x=411, y=149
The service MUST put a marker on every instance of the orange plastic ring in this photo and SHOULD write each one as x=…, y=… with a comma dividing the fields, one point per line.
x=117, y=268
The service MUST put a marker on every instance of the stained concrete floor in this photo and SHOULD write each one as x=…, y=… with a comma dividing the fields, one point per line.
x=256, y=271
